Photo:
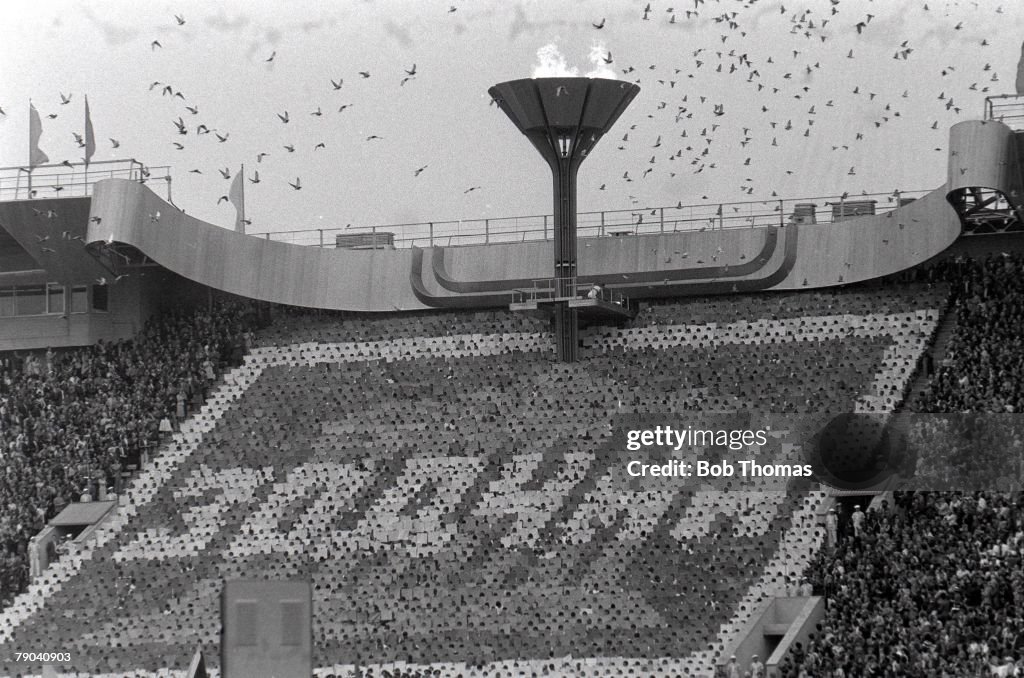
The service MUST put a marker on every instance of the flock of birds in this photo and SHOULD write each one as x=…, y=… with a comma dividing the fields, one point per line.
x=284, y=117
x=681, y=128
x=703, y=121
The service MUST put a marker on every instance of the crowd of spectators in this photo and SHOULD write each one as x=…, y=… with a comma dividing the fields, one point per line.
x=469, y=400
x=931, y=587
x=72, y=421
x=859, y=300
x=983, y=370
x=297, y=325
x=934, y=585
x=966, y=451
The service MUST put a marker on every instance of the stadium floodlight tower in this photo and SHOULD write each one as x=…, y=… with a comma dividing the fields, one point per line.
x=564, y=118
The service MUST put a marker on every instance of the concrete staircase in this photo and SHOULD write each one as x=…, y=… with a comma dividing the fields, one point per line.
x=921, y=382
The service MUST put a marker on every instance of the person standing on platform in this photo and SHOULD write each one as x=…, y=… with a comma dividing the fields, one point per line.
x=208, y=372
x=35, y=567
x=181, y=401
x=756, y=667
x=857, y=520
x=844, y=522
x=832, y=528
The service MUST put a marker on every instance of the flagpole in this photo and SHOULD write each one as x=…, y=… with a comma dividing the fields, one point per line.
x=30, y=167
x=243, y=197
x=85, y=132
x=35, y=154
x=90, y=144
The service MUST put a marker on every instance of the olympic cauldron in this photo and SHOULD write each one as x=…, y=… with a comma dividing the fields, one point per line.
x=564, y=118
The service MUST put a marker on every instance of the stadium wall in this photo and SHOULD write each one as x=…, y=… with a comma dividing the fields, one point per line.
x=733, y=260
x=129, y=215
x=130, y=302
x=43, y=242
x=781, y=623
x=802, y=615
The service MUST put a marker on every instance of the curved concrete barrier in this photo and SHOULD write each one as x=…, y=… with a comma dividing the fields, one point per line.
x=791, y=257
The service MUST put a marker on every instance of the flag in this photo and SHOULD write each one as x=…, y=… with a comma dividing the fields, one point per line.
x=1020, y=72
x=35, y=130
x=90, y=137
x=237, y=197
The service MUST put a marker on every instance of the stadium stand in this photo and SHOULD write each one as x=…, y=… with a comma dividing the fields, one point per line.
x=934, y=585
x=456, y=497
x=984, y=368
x=71, y=422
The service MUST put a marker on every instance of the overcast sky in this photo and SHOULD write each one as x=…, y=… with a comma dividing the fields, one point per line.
x=800, y=98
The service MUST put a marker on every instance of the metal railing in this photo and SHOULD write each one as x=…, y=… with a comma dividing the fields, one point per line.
x=1007, y=109
x=548, y=289
x=76, y=179
x=543, y=289
x=612, y=223
x=71, y=179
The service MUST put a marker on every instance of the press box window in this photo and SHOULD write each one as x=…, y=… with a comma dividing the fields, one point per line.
x=6, y=302
x=80, y=299
x=100, y=298
x=30, y=300
x=54, y=298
